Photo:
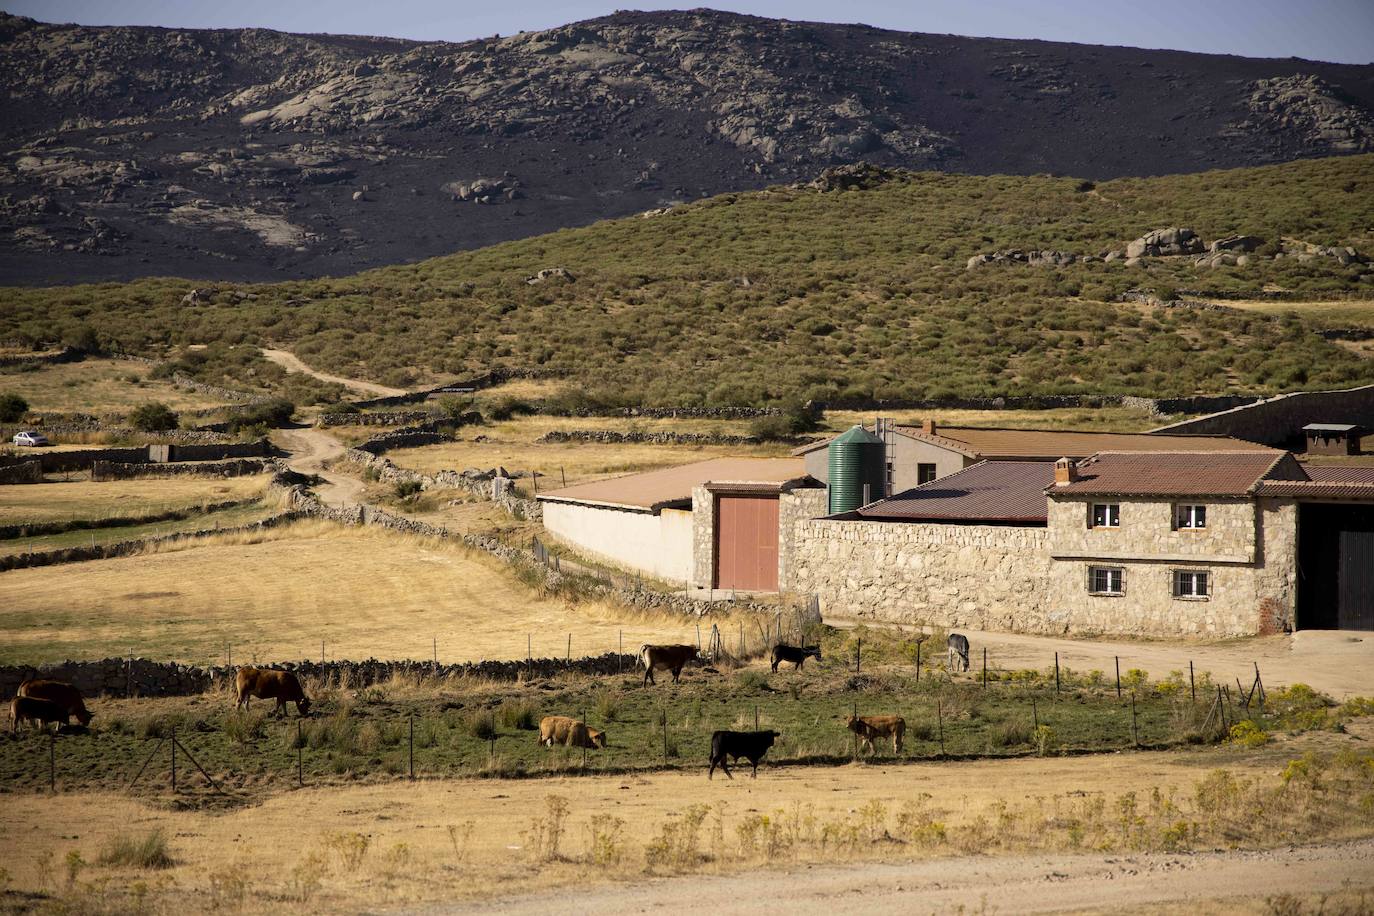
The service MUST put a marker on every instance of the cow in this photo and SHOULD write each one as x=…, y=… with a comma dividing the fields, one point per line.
x=958, y=652
x=870, y=727
x=34, y=709
x=751, y=745
x=797, y=655
x=664, y=658
x=270, y=684
x=570, y=733
x=59, y=692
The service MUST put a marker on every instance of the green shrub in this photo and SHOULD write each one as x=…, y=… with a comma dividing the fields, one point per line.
x=521, y=714
x=481, y=724
x=153, y=417
x=406, y=488
x=12, y=408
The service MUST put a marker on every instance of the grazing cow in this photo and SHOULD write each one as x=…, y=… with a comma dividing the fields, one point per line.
x=33, y=709
x=570, y=733
x=59, y=692
x=271, y=684
x=958, y=652
x=797, y=655
x=751, y=745
x=870, y=727
x=664, y=658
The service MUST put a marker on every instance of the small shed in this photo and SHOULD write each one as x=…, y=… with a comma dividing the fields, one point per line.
x=1332, y=438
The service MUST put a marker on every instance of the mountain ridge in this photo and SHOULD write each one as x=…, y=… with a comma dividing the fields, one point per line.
x=252, y=155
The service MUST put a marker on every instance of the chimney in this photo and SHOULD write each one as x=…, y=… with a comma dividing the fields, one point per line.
x=1065, y=472
x=928, y=427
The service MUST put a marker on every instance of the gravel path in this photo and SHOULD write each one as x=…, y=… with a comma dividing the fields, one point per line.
x=288, y=361
x=1023, y=884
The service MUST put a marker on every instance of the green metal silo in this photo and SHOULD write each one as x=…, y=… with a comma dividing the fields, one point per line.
x=856, y=461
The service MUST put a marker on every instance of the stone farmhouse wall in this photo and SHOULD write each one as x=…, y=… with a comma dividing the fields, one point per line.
x=982, y=576
x=1248, y=547
x=1279, y=420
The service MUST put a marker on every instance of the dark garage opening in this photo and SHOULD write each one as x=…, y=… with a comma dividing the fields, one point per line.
x=1335, y=567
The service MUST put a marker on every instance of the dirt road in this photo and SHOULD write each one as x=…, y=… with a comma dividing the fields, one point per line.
x=288, y=361
x=1336, y=662
x=308, y=450
x=1024, y=884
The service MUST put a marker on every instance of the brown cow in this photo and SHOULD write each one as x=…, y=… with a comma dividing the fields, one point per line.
x=59, y=692
x=665, y=658
x=271, y=684
x=570, y=733
x=870, y=727
x=33, y=709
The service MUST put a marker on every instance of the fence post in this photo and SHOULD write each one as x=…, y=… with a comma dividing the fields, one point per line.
x=756, y=717
x=985, y=667
x=129, y=675
x=1192, y=684
x=1135, y=732
x=1035, y=714
x=300, y=751
x=436, y=650
x=918, y=661
x=174, y=758
x=620, y=656
x=584, y=744
x=229, y=648
x=412, y=746
x=529, y=649
x=52, y=763
x=1056, y=674
x=665, y=735
x=569, y=647
x=858, y=657
x=1260, y=684
x=1118, y=675
x=940, y=718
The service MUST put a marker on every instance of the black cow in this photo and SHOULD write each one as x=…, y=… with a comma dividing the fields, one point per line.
x=752, y=745
x=958, y=652
x=797, y=655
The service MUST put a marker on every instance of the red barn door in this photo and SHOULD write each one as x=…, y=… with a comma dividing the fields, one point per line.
x=747, y=543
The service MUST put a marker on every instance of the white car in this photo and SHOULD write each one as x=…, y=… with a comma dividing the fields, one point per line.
x=30, y=438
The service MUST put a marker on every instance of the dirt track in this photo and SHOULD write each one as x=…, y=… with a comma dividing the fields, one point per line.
x=289, y=361
x=309, y=450
x=1023, y=884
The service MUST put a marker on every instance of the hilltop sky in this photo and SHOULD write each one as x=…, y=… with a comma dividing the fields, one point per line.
x=1332, y=30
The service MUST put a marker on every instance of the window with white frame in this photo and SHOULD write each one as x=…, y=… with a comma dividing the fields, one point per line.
x=1192, y=583
x=1190, y=517
x=1106, y=580
x=1105, y=515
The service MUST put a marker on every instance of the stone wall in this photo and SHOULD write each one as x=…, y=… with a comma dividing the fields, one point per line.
x=1279, y=420
x=65, y=355
x=793, y=507
x=982, y=576
x=1249, y=548
x=234, y=467
x=29, y=471
x=385, y=418
x=479, y=485
x=657, y=438
x=39, y=529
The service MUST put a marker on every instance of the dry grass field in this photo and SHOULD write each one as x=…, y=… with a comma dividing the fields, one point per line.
x=274, y=595
x=481, y=841
x=96, y=386
x=194, y=521
x=1344, y=313
x=63, y=502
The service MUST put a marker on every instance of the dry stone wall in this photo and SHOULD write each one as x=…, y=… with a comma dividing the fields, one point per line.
x=234, y=467
x=30, y=471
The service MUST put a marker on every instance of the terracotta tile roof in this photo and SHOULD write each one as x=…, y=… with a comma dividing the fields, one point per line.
x=1049, y=444
x=1339, y=473
x=990, y=491
x=1178, y=473
x=655, y=490
x=1293, y=489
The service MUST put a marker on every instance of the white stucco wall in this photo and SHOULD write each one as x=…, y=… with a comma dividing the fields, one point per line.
x=657, y=545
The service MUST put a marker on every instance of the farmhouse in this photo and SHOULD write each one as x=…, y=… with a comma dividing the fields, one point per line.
x=1124, y=542
x=713, y=524
x=919, y=454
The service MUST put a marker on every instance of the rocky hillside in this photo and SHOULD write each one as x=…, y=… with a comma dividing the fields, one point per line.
x=865, y=282
x=248, y=154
